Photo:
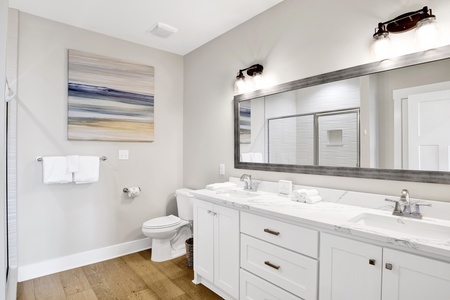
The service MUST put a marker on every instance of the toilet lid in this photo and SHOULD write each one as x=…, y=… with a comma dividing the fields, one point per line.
x=162, y=222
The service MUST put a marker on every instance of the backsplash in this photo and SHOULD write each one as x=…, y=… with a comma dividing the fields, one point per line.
x=438, y=210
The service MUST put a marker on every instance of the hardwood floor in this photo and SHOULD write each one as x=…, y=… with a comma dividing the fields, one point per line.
x=133, y=277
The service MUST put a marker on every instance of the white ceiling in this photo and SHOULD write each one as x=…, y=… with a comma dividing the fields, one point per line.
x=197, y=21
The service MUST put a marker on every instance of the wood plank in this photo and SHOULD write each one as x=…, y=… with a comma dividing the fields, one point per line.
x=155, y=279
x=48, y=287
x=133, y=277
x=74, y=281
x=170, y=269
x=84, y=295
x=146, y=294
x=124, y=276
x=25, y=290
x=146, y=254
x=195, y=291
x=102, y=282
x=185, y=297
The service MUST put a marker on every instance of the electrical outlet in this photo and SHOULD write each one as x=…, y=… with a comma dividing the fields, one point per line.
x=123, y=154
x=284, y=187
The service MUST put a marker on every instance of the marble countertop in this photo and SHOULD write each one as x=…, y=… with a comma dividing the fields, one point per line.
x=338, y=217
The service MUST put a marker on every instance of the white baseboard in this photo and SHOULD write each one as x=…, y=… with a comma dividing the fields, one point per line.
x=56, y=265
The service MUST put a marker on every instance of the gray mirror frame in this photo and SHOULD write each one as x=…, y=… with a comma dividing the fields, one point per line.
x=370, y=68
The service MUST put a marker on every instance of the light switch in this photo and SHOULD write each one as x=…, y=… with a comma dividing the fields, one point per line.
x=222, y=169
x=123, y=154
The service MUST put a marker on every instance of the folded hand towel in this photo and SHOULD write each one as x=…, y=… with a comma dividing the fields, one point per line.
x=307, y=196
x=313, y=199
x=55, y=170
x=89, y=170
x=256, y=157
x=246, y=157
x=221, y=186
x=304, y=193
x=73, y=162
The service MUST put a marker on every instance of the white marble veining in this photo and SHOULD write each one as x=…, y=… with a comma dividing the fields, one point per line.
x=340, y=210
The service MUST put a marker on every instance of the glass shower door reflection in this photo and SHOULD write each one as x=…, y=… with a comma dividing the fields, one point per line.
x=338, y=139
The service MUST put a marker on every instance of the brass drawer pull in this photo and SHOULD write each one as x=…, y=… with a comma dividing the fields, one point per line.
x=271, y=231
x=271, y=265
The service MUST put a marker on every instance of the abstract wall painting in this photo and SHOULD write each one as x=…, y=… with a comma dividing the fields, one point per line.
x=109, y=99
x=245, y=122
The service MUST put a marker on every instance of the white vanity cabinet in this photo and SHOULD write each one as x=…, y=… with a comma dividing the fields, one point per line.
x=355, y=270
x=411, y=277
x=278, y=259
x=349, y=270
x=216, y=248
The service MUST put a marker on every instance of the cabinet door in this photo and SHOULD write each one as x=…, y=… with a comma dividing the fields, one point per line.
x=414, y=277
x=349, y=270
x=203, y=239
x=255, y=288
x=226, y=249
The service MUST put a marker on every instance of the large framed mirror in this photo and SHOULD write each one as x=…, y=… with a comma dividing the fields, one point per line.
x=384, y=120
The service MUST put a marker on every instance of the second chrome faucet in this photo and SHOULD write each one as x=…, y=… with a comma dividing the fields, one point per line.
x=249, y=184
x=403, y=206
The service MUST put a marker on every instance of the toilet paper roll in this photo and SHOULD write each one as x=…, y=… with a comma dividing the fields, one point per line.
x=133, y=191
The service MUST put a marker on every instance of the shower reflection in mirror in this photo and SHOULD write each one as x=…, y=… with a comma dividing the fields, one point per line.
x=298, y=128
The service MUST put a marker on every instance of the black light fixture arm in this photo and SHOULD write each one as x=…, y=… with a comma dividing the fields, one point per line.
x=251, y=71
x=403, y=22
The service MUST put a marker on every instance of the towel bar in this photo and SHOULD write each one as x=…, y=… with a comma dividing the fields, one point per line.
x=102, y=158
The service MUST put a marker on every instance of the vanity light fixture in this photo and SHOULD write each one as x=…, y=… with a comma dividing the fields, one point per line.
x=255, y=72
x=423, y=20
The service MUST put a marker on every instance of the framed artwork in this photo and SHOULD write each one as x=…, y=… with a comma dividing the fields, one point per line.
x=245, y=122
x=109, y=99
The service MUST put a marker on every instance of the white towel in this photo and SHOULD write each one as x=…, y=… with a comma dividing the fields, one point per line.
x=89, y=170
x=246, y=157
x=256, y=157
x=55, y=170
x=313, y=199
x=307, y=196
x=221, y=186
x=304, y=193
x=73, y=162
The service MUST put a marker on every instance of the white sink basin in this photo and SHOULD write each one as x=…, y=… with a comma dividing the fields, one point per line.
x=237, y=194
x=418, y=228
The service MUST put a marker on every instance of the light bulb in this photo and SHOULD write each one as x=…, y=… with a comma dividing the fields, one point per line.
x=427, y=33
x=381, y=46
x=257, y=81
x=240, y=86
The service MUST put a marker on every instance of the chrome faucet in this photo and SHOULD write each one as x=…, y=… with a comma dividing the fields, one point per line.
x=403, y=206
x=248, y=184
x=404, y=198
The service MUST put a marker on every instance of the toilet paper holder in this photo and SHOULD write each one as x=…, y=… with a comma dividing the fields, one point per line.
x=125, y=190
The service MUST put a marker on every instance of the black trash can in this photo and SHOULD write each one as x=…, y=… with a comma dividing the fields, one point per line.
x=190, y=252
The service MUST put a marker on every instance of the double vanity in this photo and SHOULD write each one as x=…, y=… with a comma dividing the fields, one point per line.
x=259, y=245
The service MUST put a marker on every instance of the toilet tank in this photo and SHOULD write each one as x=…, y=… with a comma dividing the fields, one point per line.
x=185, y=204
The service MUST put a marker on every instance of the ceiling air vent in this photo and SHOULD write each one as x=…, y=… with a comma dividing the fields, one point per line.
x=162, y=30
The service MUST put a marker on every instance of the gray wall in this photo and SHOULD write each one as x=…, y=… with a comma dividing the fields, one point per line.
x=293, y=40
x=61, y=220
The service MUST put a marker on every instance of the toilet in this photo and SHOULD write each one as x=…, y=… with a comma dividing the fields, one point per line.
x=169, y=233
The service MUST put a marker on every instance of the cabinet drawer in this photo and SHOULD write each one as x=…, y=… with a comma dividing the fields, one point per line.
x=253, y=288
x=292, y=237
x=291, y=271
